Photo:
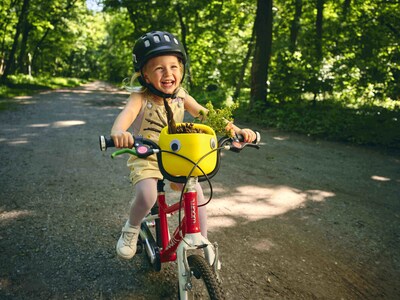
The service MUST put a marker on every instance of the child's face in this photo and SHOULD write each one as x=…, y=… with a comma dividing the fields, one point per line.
x=164, y=73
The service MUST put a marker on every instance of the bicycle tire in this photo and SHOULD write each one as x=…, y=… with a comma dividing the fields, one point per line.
x=204, y=280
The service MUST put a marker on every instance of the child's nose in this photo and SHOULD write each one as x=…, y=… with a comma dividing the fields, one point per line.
x=168, y=71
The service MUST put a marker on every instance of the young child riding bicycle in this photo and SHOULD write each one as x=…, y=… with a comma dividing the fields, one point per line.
x=159, y=61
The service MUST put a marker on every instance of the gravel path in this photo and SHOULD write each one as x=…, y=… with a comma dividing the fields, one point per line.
x=297, y=219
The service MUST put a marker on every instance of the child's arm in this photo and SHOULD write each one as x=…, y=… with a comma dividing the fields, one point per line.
x=194, y=108
x=121, y=137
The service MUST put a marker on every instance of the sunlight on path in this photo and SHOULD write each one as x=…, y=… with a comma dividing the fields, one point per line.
x=253, y=203
x=24, y=137
x=8, y=216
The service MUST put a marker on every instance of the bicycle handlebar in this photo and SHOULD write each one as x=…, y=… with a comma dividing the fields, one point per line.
x=107, y=142
x=144, y=147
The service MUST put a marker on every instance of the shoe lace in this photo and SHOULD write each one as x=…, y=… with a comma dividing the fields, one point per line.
x=128, y=237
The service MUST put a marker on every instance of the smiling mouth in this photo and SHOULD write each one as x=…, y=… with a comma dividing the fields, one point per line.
x=168, y=83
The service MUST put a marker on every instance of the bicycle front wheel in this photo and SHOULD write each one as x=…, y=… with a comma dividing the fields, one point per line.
x=204, y=283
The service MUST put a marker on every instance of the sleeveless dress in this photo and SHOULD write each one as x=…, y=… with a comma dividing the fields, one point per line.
x=148, y=168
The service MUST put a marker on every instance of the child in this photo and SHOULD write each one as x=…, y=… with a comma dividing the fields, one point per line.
x=159, y=61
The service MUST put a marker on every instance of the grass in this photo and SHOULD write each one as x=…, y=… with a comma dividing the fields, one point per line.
x=21, y=85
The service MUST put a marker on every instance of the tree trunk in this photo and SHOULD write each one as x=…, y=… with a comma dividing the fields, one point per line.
x=318, y=50
x=318, y=27
x=262, y=53
x=132, y=15
x=3, y=28
x=9, y=65
x=37, y=47
x=22, y=58
x=294, y=29
x=54, y=21
x=346, y=9
x=244, y=66
x=183, y=41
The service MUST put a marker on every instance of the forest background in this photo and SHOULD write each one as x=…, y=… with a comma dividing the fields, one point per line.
x=324, y=68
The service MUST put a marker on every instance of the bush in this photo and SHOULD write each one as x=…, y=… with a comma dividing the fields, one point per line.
x=367, y=125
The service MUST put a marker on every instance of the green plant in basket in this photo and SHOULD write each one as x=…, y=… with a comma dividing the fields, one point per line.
x=218, y=118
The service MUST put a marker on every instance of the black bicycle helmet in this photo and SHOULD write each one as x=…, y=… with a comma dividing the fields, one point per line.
x=152, y=44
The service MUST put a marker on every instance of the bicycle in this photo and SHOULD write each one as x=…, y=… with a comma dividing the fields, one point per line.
x=185, y=159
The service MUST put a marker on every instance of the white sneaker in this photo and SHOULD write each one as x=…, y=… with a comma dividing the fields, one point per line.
x=126, y=246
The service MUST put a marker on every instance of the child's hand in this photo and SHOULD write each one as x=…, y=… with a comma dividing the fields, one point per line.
x=248, y=135
x=122, y=139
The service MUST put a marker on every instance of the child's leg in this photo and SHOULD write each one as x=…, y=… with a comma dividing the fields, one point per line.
x=145, y=197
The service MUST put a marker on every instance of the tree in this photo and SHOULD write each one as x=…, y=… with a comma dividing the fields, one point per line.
x=23, y=46
x=318, y=29
x=345, y=50
x=295, y=27
x=7, y=20
x=54, y=27
x=10, y=62
x=262, y=53
x=249, y=53
x=184, y=32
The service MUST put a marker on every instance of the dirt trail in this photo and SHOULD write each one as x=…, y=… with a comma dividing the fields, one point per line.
x=297, y=219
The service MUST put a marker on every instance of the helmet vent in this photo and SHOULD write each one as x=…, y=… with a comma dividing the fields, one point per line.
x=176, y=41
x=157, y=39
x=146, y=43
x=166, y=37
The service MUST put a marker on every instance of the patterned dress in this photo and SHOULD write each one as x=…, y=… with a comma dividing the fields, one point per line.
x=148, y=168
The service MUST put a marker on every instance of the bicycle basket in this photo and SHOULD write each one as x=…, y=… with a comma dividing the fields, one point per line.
x=192, y=146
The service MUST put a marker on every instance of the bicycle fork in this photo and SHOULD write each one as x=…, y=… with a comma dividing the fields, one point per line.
x=190, y=243
x=193, y=240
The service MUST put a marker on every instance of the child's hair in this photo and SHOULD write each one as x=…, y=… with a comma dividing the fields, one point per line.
x=129, y=84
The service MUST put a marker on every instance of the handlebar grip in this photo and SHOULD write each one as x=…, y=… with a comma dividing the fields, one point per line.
x=258, y=137
x=105, y=143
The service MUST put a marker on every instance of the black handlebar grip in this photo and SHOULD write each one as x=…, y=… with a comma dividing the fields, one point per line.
x=105, y=143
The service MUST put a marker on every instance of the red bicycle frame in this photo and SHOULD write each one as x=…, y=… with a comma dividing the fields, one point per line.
x=189, y=224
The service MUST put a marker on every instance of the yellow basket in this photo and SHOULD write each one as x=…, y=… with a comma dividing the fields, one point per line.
x=192, y=146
